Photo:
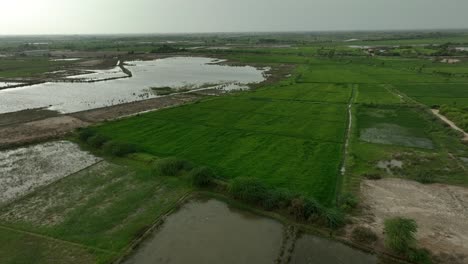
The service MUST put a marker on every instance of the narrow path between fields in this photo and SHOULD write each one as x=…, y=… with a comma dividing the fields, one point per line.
x=348, y=131
x=450, y=123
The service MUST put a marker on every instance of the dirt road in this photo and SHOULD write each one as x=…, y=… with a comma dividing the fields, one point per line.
x=450, y=123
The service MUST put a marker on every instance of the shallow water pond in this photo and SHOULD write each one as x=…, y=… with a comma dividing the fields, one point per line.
x=176, y=72
x=210, y=231
x=313, y=250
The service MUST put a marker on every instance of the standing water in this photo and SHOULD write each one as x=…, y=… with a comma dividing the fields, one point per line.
x=176, y=72
x=209, y=231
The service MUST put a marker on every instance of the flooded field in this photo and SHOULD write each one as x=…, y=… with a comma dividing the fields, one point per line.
x=25, y=169
x=311, y=249
x=392, y=134
x=207, y=231
x=210, y=231
x=176, y=72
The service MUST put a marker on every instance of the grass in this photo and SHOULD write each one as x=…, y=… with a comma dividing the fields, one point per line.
x=28, y=67
x=458, y=115
x=452, y=94
x=104, y=207
x=41, y=250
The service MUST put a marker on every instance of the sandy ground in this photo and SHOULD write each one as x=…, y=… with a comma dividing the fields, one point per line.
x=441, y=212
x=25, y=169
x=450, y=123
x=21, y=127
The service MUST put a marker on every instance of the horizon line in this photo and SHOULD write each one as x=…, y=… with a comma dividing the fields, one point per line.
x=240, y=32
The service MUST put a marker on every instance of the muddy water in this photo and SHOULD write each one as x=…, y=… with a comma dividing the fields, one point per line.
x=311, y=250
x=209, y=231
x=173, y=72
x=212, y=232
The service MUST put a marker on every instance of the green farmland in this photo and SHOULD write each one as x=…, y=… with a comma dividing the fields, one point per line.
x=292, y=134
x=289, y=135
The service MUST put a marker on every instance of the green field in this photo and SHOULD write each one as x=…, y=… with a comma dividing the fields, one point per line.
x=289, y=135
x=28, y=67
x=292, y=134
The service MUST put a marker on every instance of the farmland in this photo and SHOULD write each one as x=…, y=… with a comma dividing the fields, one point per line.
x=304, y=136
x=304, y=146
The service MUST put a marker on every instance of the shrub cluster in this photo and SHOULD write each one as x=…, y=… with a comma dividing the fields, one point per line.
x=347, y=201
x=170, y=167
x=400, y=237
x=96, y=141
x=425, y=177
x=372, y=176
x=113, y=148
x=85, y=133
x=254, y=191
x=250, y=190
x=202, y=177
x=118, y=149
x=400, y=234
x=363, y=235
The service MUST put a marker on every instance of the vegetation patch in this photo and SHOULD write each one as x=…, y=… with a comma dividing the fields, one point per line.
x=395, y=126
x=458, y=115
x=272, y=134
x=171, y=167
x=363, y=235
x=400, y=237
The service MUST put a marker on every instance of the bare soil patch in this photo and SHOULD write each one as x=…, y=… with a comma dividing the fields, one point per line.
x=441, y=212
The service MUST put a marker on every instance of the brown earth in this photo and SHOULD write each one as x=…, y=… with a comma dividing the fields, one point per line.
x=441, y=212
x=37, y=125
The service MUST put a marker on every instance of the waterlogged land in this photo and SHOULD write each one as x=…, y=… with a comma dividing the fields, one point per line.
x=24, y=170
x=178, y=72
x=367, y=110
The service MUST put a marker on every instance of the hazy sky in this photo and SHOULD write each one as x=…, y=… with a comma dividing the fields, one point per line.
x=163, y=16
